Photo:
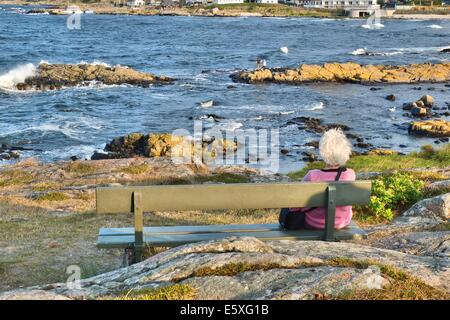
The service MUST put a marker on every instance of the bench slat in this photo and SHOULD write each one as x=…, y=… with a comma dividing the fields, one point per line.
x=231, y=196
x=126, y=240
x=192, y=229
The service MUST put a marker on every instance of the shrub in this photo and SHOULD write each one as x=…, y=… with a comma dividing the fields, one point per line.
x=53, y=196
x=172, y=292
x=442, y=155
x=390, y=194
x=79, y=168
x=136, y=168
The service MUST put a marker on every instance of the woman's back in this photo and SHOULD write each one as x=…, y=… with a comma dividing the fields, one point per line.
x=316, y=218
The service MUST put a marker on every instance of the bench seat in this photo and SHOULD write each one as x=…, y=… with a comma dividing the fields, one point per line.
x=173, y=236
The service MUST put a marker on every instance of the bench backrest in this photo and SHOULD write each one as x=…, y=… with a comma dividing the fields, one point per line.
x=231, y=196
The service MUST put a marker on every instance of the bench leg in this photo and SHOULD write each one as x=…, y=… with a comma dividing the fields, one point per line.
x=138, y=226
x=138, y=250
x=331, y=214
x=128, y=257
x=131, y=256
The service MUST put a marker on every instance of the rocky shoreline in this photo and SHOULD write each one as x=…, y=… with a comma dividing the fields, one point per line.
x=59, y=8
x=57, y=76
x=349, y=73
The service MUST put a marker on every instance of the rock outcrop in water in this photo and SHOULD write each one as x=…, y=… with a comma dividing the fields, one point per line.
x=421, y=107
x=349, y=73
x=56, y=76
x=430, y=128
x=163, y=145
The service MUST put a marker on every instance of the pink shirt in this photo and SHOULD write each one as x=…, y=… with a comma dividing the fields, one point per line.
x=316, y=218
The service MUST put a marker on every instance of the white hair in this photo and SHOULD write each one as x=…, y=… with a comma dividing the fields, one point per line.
x=335, y=148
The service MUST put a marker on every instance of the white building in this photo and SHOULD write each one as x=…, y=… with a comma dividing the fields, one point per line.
x=136, y=3
x=267, y=1
x=193, y=2
x=228, y=1
x=309, y=3
x=335, y=4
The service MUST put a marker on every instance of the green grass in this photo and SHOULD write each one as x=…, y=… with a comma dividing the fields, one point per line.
x=172, y=292
x=232, y=269
x=403, y=286
x=44, y=186
x=14, y=177
x=136, y=168
x=53, y=196
x=224, y=178
x=427, y=157
x=79, y=168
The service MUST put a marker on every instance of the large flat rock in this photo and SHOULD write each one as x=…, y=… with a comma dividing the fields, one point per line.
x=274, y=270
x=349, y=72
x=57, y=76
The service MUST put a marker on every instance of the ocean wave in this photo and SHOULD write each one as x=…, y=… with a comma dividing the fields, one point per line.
x=395, y=51
x=97, y=63
x=434, y=26
x=373, y=26
x=316, y=106
x=93, y=63
x=9, y=80
x=44, y=129
x=365, y=52
x=94, y=84
x=81, y=151
x=284, y=113
x=34, y=13
x=229, y=126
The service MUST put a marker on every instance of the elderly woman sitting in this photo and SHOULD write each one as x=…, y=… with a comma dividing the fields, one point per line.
x=335, y=150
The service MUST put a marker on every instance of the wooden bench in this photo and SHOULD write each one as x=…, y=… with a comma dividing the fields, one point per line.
x=224, y=196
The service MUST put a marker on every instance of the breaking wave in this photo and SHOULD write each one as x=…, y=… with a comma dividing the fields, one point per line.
x=316, y=106
x=395, y=51
x=9, y=80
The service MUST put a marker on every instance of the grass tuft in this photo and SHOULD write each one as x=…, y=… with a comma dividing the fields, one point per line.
x=14, y=177
x=79, y=168
x=402, y=285
x=224, y=178
x=173, y=292
x=53, y=196
x=136, y=168
x=44, y=186
x=233, y=269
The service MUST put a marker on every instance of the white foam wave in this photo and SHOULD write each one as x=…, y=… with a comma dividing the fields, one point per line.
x=230, y=126
x=94, y=84
x=96, y=63
x=9, y=80
x=395, y=51
x=81, y=151
x=359, y=52
x=373, y=26
x=35, y=13
x=434, y=26
x=316, y=106
x=93, y=63
x=286, y=112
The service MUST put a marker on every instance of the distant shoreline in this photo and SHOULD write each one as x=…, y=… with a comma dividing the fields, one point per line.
x=250, y=10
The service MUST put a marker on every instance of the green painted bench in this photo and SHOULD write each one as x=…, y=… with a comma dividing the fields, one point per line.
x=223, y=196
